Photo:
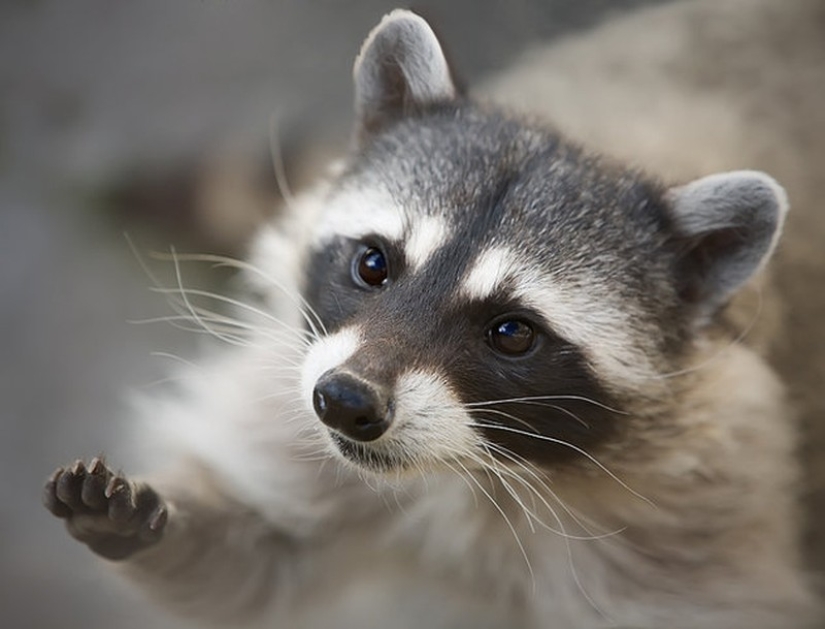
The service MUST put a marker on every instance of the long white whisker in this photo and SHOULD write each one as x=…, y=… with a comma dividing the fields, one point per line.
x=500, y=473
x=567, y=412
x=178, y=307
x=508, y=416
x=573, y=447
x=537, y=399
x=175, y=358
x=216, y=325
x=278, y=167
x=315, y=323
x=220, y=319
x=463, y=477
x=522, y=465
x=185, y=292
x=186, y=305
x=506, y=520
x=571, y=562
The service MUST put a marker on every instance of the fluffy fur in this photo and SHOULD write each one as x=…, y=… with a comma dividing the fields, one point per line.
x=634, y=468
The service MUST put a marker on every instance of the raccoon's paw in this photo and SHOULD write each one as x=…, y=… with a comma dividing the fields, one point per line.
x=110, y=514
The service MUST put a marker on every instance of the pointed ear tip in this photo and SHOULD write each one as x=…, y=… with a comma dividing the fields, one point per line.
x=753, y=179
x=773, y=185
x=402, y=14
x=395, y=18
x=760, y=179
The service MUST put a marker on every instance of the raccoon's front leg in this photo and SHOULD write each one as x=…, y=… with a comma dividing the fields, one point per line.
x=111, y=515
x=188, y=544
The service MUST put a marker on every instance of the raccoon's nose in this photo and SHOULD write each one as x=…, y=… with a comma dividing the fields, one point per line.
x=350, y=406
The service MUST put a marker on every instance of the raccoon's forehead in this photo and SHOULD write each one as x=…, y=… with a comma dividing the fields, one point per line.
x=477, y=180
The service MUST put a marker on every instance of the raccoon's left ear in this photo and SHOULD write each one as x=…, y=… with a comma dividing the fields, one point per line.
x=401, y=68
x=726, y=227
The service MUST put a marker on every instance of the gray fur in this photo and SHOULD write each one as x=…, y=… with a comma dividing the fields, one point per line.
x=745, y=210
x=400, y=69
x=681, y=514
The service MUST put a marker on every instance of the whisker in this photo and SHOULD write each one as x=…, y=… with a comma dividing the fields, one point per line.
x=466, y=482
x=179, y=298
x=175, y=358
x=500, y=473
x=278, y=167
x=537, y=399
x=215, y=326
x=184, y=295
x=566, y=411
x=507, y=521
x=178, y=306
x=570, y=560
x=185, y=292
x=224, y=320
x=536, y=494
x=315, y=323
x=494, y=411
x=573, y=447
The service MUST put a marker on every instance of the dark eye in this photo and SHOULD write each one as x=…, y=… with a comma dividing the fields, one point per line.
x=370, y=267
x=512, y=337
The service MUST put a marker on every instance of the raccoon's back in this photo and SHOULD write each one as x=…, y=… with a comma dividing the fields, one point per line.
x=700, y=86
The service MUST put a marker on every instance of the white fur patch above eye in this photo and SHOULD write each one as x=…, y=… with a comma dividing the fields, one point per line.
x=587, y=318
x=358, y=213
x=325, y=354
x=488, y=272
x=426, y=236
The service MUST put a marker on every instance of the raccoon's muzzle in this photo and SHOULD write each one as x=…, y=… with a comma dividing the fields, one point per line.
x=354, y=408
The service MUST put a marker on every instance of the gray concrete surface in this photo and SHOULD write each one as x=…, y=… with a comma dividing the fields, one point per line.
x=92, y=90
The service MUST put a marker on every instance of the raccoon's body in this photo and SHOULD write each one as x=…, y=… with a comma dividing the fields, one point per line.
x=495, y=381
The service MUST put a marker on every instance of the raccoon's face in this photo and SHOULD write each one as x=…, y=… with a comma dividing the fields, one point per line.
x=489, y=291
x=469, y=301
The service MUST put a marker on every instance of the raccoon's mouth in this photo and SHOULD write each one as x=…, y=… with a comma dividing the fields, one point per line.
x=367, y=456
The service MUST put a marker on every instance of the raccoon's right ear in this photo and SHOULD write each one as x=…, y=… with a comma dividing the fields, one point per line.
x=726, y=227
x=401, y=69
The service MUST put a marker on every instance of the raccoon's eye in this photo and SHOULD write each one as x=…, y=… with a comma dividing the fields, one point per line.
x=369, y=267
x=512, y=337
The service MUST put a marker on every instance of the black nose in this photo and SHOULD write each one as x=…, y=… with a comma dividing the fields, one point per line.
x=350, y=406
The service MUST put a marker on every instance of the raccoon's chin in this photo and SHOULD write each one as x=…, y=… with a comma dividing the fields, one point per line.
x=368, y=457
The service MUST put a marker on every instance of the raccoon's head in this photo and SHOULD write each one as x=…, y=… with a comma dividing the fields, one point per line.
x=488, y=289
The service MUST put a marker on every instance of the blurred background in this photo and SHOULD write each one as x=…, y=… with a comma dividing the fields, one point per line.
x=155, y=119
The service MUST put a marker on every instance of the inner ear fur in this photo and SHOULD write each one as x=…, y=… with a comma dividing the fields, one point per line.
x=401, y=69
x=726, y=227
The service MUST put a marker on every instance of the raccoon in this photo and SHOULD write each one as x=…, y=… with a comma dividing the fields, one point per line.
x=495, y=380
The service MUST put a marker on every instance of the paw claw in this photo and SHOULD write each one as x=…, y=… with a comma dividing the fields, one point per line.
x=93, y=490
x=158, y=519
x=115, y=483
x=110, y=514
x=68, y=487
x=156, y=523
x=98, y=467
x=121, y=503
